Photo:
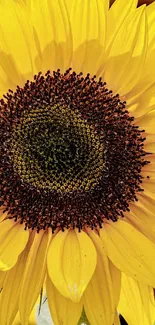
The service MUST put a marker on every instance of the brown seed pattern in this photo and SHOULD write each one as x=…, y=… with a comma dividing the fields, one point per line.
x=70, y=156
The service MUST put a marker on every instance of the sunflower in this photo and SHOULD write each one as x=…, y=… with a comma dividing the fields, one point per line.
x=77, y=160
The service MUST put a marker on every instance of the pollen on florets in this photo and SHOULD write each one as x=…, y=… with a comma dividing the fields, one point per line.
x=70, y=156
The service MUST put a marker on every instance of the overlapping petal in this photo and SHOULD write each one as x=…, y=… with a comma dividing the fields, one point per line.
x=116, y=16
x=146, y=122
x=143, y=102
x=99, y=303
x=11, y=285
x=71, y=263
x=13, y=239
x=88, y=23
x=128, y=250
x=17, y=48
x=34, y=274
x=136, y=302
x=141, y=219
x=127, y=53
x=52, y=34
x=32, y=319
x=64, y=311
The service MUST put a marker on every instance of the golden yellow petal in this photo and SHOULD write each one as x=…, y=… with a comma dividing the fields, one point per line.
x=141, y=210
x=3, y=215
x=13, y=239
x=149, y=69
x=5, y=81
x=2, y=278
x=52, y=33
x=116, y=16
x=143, y=102
x=88, y=23
x=149, y=175
x=18, y=50
x=129, y=250
x=9, y=297
x=127, y=54
x=149, y=147
x=148, y=192
x=34, y=274
x=63, y=310
x=146, y=202
x=116, y=319
x=147, y=77
x=146, y=122
x=98, y=298
x=116, y=281
x=149, y=189
x=32, y=319
x=70, y=4
x=149, y=185
x=142, y=219
x=71, y=262
x=9, y=74
x=151, y=26
x=54, y=262
x=136, y=302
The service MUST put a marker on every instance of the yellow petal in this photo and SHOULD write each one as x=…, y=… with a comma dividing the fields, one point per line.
x=142, y=209
x=5, y=81
x=148, y=192
x=129, y=250
x=148, y=176
x=98, y=298
x=13, y=239
x=70, y=4
x=52, y=33
x=116, y=16
x=151, y=24
x=10, y=285
x=71, y=262
x=54, y=262
x=3, y=215
x=142, y=220
x=18, y=49
x=116, y=319
x=63, y=310
x=146, y=122
x=2, y=278
x=127, y=54
x=32, y=319
x=34, y=274
x=9, y=74
x=88, y=22
x=150, y=147
x=9, y=296
x=146, y=201
x=116, y=281
x=143, y=102
x=147, y=78
x=149, y=68
x=135, y=302
x=149, y=186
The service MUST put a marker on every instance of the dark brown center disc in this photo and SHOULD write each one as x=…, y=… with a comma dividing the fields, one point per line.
x=70, y=153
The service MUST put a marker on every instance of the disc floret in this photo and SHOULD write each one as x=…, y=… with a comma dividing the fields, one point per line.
x=71, y=155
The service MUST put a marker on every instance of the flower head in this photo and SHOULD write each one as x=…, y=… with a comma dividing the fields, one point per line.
x=76, y=158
